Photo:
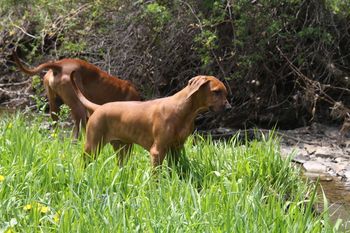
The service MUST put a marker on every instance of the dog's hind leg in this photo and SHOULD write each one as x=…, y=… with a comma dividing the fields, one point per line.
x=52, y=96
x=80, y=118
x=78, y=112
x=94, y=144
x=123, y=150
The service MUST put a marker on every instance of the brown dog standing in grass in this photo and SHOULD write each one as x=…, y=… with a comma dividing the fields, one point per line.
x=160, y=126
x=97, y=85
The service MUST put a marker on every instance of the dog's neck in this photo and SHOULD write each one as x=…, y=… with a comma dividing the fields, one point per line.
x=188, y=107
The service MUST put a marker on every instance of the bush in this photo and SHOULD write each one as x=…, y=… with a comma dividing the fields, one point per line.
x=284, y=62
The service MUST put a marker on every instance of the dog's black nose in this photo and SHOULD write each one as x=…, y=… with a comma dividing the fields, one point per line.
x=228, y=105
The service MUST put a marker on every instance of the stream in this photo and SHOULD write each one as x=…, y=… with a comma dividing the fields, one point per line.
x=338, y=196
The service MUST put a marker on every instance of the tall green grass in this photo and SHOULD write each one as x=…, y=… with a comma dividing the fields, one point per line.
x=222, y=187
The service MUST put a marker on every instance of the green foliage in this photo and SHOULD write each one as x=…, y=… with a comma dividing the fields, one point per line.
x=64, y=114
x=158, y=14
x=73, y=47
x=341, y=7
x=228, y=187
x=315, y=32
x=207, y=41
x=257, y=27
x=46, y=20
x=39, y=99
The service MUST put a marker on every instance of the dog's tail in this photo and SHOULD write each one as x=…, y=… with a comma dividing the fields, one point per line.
x=90, y=106
x=48, y=65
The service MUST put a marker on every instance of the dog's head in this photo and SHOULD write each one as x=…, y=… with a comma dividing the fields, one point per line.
x=210, y=91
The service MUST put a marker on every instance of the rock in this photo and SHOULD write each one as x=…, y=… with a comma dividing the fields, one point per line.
x=311, y=149
x=330, y=166
x=312, y=156
x=339, y=159
x=325, y=156
x=315, y=167
x=326, y=178
x=315, y=176
x=338, y=167
x=331, y=172
x=347, y=175
x=300, y=159
x=224, y=130
x=285, y=151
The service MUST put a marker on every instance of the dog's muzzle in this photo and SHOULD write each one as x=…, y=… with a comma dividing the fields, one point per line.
x=221, y=108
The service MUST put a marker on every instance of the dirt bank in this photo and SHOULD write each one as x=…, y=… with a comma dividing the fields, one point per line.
x=316, y=148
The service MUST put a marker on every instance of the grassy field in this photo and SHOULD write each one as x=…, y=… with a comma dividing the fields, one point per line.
x=222, y=187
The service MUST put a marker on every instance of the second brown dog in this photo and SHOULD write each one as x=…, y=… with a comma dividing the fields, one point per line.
x=96, y=85
x=160, y=126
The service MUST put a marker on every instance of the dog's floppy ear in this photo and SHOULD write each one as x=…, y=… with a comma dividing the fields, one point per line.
x=195, y=83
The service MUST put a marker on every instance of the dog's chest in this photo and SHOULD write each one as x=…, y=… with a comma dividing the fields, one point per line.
x=182, y=133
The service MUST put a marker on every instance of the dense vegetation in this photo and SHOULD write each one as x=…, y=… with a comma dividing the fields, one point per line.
x=284, y=61
x=221, y=187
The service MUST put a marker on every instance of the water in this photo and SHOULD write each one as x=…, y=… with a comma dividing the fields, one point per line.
x=338, y=196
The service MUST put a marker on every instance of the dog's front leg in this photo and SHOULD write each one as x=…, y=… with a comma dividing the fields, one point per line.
x=157, y=155
x=178, y=160
x=174, y=155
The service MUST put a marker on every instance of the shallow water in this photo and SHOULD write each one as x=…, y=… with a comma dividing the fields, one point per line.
x=338, y=196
